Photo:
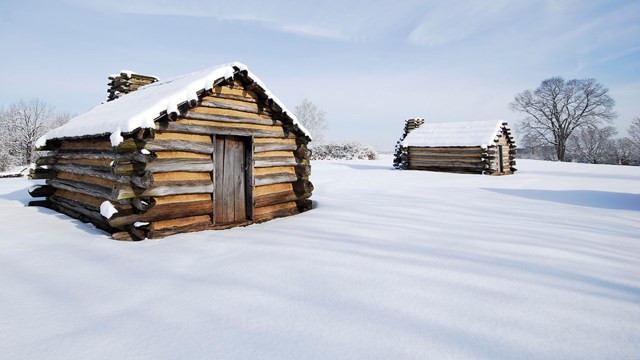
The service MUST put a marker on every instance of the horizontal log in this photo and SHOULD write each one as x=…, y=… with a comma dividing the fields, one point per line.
x=276, y=214
x=122, y=191
x=448, y=154
x=192, y=115
x=140, y=157
x=182, y=176
x=177, y=199
x=80, y=187
x=180, y=145
x=46, y=160
x=167, y=135
x=183, y=155
x=275, y=198
x=196, y=226
x=435, y=158
x=275, y=154
x=231, y=96
x=163, y=212
x=100, y=143
x=274, y=161
x=187, y=165
x=161, y=233
x=41, y=173
x=274, y=169
x=231, y=106
x=83, y=155
x=84, y=199
x=103, y=163
x=95, y=171
x=216, y=130
x=180, y=222
x=165, y=165
x=80, y=211
x=276, y=178
x=479, y=164
x=268, y=189
x=42, y=191
x=264, y=147
x=63, y=175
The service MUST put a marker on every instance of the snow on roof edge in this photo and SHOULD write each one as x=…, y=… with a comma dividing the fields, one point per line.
x=140, y=108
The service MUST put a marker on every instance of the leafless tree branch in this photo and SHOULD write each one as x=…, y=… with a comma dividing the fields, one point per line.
x=557, y=108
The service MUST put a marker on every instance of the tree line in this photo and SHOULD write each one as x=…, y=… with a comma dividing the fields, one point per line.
x=571, y=121
x=21, y=124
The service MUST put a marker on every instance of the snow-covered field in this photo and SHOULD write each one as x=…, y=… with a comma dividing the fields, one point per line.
x=543, y=264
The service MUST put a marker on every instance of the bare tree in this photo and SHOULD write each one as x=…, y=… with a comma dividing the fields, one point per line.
x=7, y=159
x=634, y=132
x=533, y=147
x=60, y=119
x=313, y=119
x=557, y=108
x=634, y=141
x=29, y=121
x=593, y=145
x=21, y=125
x=623, y=152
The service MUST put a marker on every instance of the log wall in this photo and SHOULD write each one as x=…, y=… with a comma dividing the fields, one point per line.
x=162, y=181
x=474, y=160
x=449, y=159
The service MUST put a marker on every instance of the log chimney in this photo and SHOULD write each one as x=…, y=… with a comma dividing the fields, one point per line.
x=127, y=81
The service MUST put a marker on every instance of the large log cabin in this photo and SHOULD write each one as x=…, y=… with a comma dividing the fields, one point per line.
x=209, y=150
x=478, y=147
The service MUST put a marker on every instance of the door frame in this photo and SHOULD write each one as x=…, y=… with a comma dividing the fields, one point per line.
x=500, y=160
x=249, y=181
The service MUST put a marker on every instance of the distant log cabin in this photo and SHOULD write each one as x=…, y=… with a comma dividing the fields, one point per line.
x=479, y=147
x=209, y=150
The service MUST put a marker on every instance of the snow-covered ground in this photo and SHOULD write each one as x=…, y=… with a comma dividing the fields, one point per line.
x=543, y=264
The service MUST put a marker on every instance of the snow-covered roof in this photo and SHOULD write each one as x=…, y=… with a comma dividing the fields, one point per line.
x=472, y=133
x=140, y=108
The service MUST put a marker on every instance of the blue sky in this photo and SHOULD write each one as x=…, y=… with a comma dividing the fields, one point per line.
x=368, y=64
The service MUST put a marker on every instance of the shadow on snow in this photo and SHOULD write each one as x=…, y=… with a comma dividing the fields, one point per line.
x=588, y=198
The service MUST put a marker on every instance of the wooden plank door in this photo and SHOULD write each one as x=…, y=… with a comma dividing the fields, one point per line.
x=231, y=180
